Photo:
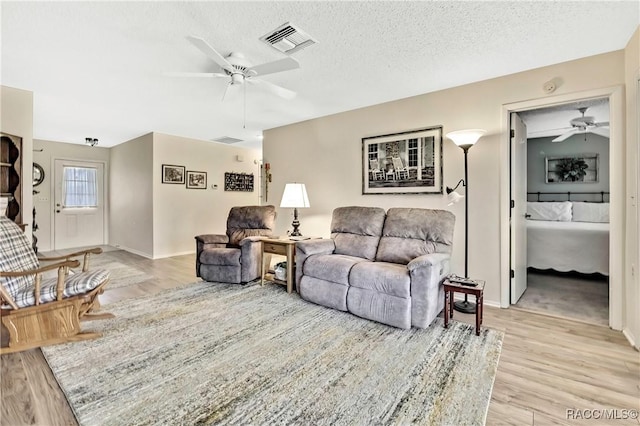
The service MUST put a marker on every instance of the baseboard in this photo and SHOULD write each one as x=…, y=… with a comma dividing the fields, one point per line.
x=134, y=251
x=631, y=339
x=492, y=303
x=174, y=254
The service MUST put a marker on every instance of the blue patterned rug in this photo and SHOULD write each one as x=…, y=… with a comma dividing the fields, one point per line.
x=228, y=354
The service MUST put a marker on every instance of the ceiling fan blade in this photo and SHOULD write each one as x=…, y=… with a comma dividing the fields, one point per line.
x=274, y=88
x=205, y=48
x=602, y=124
x=193, y=74
x=602, y=131
x=566, y=135
x=280, y=65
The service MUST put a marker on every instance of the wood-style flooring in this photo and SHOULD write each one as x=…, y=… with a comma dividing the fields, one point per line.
x=547, y=365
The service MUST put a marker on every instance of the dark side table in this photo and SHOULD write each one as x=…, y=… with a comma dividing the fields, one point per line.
x=450, y=288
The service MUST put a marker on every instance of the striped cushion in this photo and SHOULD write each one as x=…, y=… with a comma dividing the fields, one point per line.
x=16, y=255
x=75, y=284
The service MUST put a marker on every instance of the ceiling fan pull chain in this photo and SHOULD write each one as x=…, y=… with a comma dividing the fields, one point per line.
x=244, y=118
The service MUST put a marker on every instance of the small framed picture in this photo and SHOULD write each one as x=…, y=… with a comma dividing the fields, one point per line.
x=196, y=180
x=172, y=174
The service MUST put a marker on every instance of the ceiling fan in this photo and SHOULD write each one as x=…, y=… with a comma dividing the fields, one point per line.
x=237, y=70
x=584, y=124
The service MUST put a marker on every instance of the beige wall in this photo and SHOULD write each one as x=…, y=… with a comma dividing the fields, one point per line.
x=328, y=153
x=632, y=287
x=45, y=152
x=16, y=118
x=179, y=214
x=131, y=196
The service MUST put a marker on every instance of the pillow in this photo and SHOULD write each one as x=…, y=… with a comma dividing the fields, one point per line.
x=558, y=211
x=591, y=212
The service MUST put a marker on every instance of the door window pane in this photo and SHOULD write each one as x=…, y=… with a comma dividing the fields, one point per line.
x=79, y=187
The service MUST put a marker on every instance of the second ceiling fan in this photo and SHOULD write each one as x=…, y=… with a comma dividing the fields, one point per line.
x=584, y=124
x=238, y=70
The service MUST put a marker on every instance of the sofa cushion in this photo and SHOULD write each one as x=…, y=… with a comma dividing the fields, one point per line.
x=330, y=267
x=409, y=233
x=381, y=307
x=356, y=230
x=74, y=285
x=220, y=256
x=322, y=292
x=383, y=277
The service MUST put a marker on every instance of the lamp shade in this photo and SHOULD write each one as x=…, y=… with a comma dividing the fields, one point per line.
x=295, y=195
x=466, y=137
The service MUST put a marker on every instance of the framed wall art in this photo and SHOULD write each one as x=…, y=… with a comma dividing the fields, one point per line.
x=172, y=174
x=574, y=168
x=403, y=163
x=196, y=180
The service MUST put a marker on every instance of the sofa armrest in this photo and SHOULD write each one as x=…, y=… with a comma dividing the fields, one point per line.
x=427, y=260
x=307, y=248
x=247, y=241
x=317, y=246
x=212, y=239
x=427, y=293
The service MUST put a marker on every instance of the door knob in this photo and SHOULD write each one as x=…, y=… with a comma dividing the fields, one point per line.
x=527, y=215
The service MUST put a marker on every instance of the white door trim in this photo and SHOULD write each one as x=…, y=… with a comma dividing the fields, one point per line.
x=616, y=189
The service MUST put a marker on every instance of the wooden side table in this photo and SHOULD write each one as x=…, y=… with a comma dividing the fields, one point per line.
x=284, y=247
x=449, y=290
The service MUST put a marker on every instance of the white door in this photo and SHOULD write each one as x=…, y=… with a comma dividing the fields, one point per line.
x=78, y=204
x=519, y=207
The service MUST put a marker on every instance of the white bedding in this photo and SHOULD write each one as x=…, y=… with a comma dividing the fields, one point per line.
x=568, y=246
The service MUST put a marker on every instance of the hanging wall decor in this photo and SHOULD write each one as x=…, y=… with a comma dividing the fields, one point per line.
x=238, y=182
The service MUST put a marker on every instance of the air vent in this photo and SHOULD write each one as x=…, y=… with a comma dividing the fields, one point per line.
x=226, y=139
x=288, y=39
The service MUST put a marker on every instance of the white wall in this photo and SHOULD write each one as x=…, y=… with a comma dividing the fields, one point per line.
x=632, y=288
x=16, y=118
x=540, y=148
x=45, y=152
x=328, y=154
x=131, y=196
x=179, y=214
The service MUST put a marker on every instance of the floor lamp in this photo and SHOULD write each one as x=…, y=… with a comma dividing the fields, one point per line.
x=465, y=139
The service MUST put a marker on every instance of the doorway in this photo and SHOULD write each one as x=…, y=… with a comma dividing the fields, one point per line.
x=78, y=204
x=509, y=218
x=561, y=165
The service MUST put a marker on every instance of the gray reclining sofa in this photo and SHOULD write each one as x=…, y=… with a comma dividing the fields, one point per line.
x=383, y=267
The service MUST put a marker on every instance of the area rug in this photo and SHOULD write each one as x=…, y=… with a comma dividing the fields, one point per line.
x=230, y=354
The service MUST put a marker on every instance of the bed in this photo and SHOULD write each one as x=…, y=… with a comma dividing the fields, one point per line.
x=568, y=236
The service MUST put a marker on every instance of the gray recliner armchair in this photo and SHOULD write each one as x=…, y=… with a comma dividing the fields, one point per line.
x=235, y=256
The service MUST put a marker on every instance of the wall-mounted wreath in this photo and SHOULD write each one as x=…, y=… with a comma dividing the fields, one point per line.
x=571, y=169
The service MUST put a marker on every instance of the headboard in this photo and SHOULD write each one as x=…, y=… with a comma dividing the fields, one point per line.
x=592, y=197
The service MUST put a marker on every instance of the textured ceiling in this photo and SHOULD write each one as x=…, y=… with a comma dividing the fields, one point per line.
x=96, y=68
